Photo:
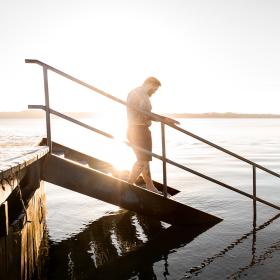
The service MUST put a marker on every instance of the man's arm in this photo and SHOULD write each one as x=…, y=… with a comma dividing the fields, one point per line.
x=166, y=120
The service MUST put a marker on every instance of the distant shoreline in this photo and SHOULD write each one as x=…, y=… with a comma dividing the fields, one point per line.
x=35, y=114
x=228, y=115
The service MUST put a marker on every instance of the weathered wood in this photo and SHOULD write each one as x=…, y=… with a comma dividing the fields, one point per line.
x=4, y=219
x=20, y=250
x=118, y=192
x=24, y=256
x=7, y=186
x=13, y=254
x=3, y=264
x=11, y=174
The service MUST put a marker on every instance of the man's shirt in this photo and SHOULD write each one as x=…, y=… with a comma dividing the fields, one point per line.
x=138, y=98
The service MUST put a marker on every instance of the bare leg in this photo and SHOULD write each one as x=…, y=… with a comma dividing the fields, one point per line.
x=135, y=172
x=144, y=168
x=147, y=177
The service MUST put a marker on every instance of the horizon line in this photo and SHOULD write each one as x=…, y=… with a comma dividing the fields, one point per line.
x=40, y=114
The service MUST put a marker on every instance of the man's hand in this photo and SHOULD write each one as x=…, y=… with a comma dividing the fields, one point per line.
x=159, y=118
x=170, y=121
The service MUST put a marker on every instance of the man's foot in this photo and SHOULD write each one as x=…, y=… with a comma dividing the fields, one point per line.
x=143, y=186
x=155, y=190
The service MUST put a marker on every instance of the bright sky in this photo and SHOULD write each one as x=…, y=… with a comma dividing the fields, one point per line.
x=210, y=55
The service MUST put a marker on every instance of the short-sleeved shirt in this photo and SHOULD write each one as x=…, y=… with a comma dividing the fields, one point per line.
x=138, y=98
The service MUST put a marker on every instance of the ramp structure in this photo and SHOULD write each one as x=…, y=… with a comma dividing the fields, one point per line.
x=101, y=181
x=113, y=190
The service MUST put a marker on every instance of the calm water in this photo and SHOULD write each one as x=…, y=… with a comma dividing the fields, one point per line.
x=90, y=239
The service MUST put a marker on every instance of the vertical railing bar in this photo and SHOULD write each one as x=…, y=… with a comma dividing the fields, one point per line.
x=254, y=196
x=163, y=159
x=47, y=104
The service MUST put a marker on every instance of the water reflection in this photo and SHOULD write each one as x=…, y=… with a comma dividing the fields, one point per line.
x=118, y=246
x=195, y=271
x=267, y=254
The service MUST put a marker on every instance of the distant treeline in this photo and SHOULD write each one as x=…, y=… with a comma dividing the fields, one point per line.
x=223, y=115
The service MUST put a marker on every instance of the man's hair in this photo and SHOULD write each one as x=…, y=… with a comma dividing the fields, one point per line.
x=152, y=81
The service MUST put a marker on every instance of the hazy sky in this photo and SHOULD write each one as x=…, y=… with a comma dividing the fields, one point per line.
x=209, y=55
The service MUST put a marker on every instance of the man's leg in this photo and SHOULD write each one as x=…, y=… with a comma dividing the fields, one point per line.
x=135, y=172
x=147, y=177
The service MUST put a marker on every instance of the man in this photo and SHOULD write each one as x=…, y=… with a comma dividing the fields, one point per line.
x=138, y=132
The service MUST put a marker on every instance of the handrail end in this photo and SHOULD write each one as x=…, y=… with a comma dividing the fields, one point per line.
x=36, y=107
x=27, y=60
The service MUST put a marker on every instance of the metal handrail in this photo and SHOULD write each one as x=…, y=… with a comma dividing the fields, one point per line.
x=99, y=91
x=152, y=115
x=157, y=118
x=226, y=151
x=89, y=127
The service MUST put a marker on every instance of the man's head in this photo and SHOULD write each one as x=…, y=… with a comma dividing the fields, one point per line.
x=151, y=84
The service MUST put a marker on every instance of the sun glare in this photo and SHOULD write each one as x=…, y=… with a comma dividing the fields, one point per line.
x=116, y=151
x=122, y=159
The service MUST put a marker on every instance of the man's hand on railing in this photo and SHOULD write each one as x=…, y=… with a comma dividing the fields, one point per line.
x=166, y=120
x=170, y=121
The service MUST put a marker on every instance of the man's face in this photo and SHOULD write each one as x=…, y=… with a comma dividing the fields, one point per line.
x=152, y=89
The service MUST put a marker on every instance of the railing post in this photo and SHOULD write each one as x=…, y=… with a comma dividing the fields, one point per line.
x=163, y=160
x=254, y=196
x=47, y=104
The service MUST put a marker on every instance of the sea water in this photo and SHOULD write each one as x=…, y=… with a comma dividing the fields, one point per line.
x=90, y=239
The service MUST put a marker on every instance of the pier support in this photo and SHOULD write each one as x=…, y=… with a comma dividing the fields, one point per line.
x=4, y=219
x=22, y=217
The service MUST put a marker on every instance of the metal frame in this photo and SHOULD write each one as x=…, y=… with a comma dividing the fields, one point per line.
x=156, y=117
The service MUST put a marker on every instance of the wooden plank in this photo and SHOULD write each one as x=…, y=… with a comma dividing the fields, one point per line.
x=19, y=249
x=7, y=186
x=96, y=184
x=3, y=264
x=31, y=216
x=13, y=253
x=15, y=169
x=24, y=256
x=4, y=219
x=22, y=161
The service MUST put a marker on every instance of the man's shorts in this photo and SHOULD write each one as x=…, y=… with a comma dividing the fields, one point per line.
x=140, y=135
